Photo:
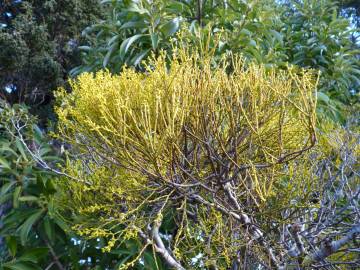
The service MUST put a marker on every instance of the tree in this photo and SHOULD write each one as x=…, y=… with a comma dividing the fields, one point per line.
x=38, y=41
x=196, y=147
x=130, y=32
x=327, y=233
x=316, y=36
x=317, y=222
x=134, y=29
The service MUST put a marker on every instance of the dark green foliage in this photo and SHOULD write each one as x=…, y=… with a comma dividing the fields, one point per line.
x=134, y=29
x=38, y=41
x=129, y=33
x=317, y=37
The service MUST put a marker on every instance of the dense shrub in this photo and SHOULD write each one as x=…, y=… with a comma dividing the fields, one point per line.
x=198, y=148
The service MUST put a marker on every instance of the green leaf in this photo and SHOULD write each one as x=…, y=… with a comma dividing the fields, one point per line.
x=84, y=48
x=44, y=150
x=6, y=148
x=4, y=163
x=177, y=7
x=154, y=40
x=12, y=245
x=34, y=255
x=108, y=54
x=16, y=196
x=28, y=198
x=20, y=147
x=49, y=229
x=62, y=225
x=135, y=24
x=18, y=216
x=38, y=134
x=135, y=8
x=27, y=225
x=277, y=36
x=122, y=252
x=21, y=266
x=252, y=43
x=113, y=39
x=125, y=45
x=246, y=32
x=6, y=187
x=137, y=58
x=323, y=97
x=170, y=27
x=6, y=197
x=122, y=262
x=151, y=261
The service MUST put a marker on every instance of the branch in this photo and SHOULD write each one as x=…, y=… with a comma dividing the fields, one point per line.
x=55, y=257
x=245, y=220
x=160, y=247
x=295, y=233
x=332, y=247
x=39, y=160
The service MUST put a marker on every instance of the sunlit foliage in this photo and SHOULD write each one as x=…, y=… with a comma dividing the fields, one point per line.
x=187, y=142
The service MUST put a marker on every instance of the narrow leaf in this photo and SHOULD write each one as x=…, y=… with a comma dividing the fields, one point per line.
x=12, y=245
x=20, y=147
x=34, y=255
x=21, y=266
x=125, y=45
x=108, y=54
x=4, y=163
x=136, y=24
x=6, y=187
x=170, y=27
x=154, y=40
x=16, y=196
x=27, y=225
x=140, y=56
x=28, y=198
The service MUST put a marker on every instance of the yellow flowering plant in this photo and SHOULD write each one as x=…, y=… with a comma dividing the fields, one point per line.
x=204, y=149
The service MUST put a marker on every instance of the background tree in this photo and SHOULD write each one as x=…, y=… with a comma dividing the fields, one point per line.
x=316, y=36
x=38, y=41
x=135, y=28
